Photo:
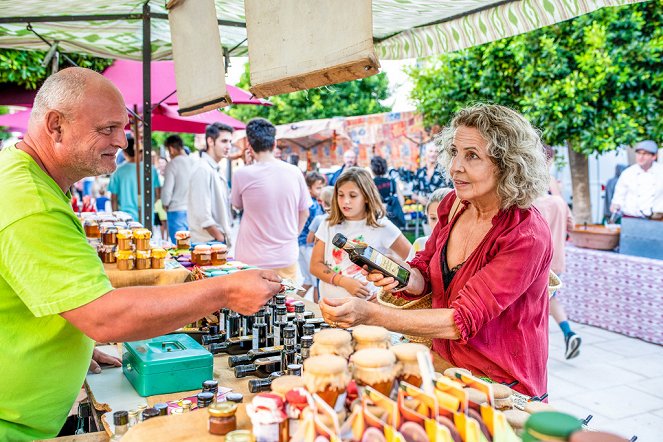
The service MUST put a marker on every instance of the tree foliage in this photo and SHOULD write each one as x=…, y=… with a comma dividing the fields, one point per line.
x=24, y=67
x=594, y=81
x=359, y=97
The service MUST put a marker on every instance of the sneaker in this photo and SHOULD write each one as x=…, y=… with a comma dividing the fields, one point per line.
x=573, y=342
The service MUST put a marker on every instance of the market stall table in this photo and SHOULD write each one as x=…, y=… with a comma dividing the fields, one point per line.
x=173, y=273
x=616, y=292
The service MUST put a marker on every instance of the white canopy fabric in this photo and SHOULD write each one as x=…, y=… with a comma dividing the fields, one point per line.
x=401, y=28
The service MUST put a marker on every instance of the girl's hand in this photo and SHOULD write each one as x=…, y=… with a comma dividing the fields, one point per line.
x=346, y=312
x=354, y=286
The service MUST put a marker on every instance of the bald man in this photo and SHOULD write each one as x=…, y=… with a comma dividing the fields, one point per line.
x=55, y=299
x=349, y=160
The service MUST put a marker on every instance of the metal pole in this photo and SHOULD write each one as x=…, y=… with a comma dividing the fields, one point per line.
x=137, y=160
x=147, y=118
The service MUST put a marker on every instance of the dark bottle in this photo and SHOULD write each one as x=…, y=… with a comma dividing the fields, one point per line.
x=252, y=355
x=223, y=314
x=121, y=423
x=281, y=314
x=232, y=325
x=299, y=319
x=289, y=353
x=233, y=346
x=305, y=348
x=213, y=330
x=247, y=325
x=259, y=385
x=308, y=329
x=162, y=408
x=213, y=338
x=279, y=299
x=259, y=336
x=307, y=315
x=365, y=255
x=268, y=320
x=294, y=370
x=277, y=337
x=204, y=399
x=261, y=367
x=149, y=413
x=323, y=325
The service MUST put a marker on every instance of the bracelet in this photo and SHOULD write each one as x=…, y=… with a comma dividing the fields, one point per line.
x=332, y=278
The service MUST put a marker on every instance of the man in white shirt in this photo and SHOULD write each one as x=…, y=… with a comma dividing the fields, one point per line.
x=175, y=191
x=208, y=209
x=639, y=191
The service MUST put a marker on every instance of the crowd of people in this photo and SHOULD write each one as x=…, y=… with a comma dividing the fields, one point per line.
x=485, y=263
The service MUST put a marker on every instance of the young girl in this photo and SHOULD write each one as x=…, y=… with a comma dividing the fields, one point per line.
x=431, y=215
x=357, y=212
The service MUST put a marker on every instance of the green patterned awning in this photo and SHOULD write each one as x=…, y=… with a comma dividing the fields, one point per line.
x=401, y=28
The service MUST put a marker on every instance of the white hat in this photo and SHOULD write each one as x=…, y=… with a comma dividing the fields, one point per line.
x=647, y=146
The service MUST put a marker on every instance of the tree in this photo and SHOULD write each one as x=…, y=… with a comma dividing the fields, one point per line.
x=359, y=97
x=24, y=67
x=592, y=83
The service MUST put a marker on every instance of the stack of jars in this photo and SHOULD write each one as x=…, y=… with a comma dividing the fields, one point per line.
x=134, y=251
x=206, y=255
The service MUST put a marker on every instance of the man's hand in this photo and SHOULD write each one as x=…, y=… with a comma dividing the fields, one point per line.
x=615, y=208
x=249, y=290
x=346, y=312
x=99, y=357
x=354, y=286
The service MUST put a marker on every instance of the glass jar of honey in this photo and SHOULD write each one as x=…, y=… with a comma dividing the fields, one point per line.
x=183, y=239
x=202, y=255
x=125, y=259
x=91, y=227
x=143, y=259
x=142, y=239
x=107, y=254
x=222, y=418
x=219, y=254
x=124, y=239
x=159, y=258
x=108, y=234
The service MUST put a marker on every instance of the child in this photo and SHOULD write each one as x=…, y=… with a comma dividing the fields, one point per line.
x=357, y=212
x=326, y=196
x=431, y=214
x=314, y=181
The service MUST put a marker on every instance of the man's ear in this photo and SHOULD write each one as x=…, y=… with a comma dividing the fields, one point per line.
x=54, y=120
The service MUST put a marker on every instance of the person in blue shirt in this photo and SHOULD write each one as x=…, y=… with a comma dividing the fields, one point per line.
x=315, y=182
x=124, y=187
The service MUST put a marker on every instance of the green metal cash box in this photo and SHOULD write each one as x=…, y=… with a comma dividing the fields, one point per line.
x=166, y=364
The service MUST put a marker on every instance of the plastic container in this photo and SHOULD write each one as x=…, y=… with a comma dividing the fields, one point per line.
x=595, y=236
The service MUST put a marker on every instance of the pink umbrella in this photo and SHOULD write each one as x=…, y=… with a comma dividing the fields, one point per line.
x=166, y=118
x=127, y=75
x=16, y=122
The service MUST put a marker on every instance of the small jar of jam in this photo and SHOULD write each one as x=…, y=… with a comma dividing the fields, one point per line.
x=108, y=234
x=107, y=254
x=91, y=227
x=142, y=259
x=183, y=239
x=134, y=225
x=159, y=258
x=125, y=259
x=219, y=254
x=124, y=238
x=202, y=255
x=142, y=239
x=222, y=418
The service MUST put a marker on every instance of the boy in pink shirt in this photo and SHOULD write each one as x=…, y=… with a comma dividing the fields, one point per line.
x=275, y=202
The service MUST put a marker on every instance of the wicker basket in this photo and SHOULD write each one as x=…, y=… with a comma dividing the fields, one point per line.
x=391, y=301
x=554, y=283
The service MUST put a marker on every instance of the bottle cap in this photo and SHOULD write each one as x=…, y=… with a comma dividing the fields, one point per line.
x=243, y=370
x=224, y=409
x=306, y=341
x=213, y=329
x=339, y=240
x=162, y=408
x=289, y=332
x=149, y=413
x=235, y=397
x=281, y=310
x=280, y=299
x=120, y=418
x=309, y=329
x=260, y=312
x=294, y=369
x=211, y=385
x=299, y=307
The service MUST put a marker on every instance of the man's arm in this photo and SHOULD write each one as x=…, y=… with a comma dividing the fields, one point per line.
x=133, y=313
x=619, y=197
x=114, y=202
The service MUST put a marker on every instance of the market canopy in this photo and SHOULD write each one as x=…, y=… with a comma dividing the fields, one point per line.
x=401, y=28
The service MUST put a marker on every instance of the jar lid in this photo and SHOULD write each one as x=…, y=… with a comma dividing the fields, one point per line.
x=239, y=436
x=219, y=247
x=223, y=409
x=332, y=336
x=125, y=234
x=325, y=364
x=284, y=384
x=142, y=254
x=370, y=333
x=373, y=358
x=408, y=352
x=202, y=248
x=182, y=234
x=159, y=253
x=142, y=233
x=124, y=254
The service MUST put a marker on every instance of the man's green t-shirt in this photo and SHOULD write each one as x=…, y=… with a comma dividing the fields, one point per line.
x=46, y=268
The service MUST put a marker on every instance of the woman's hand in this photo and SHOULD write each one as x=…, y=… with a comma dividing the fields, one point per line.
x=346, y=312
x=388, y=284
x=354, y=286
